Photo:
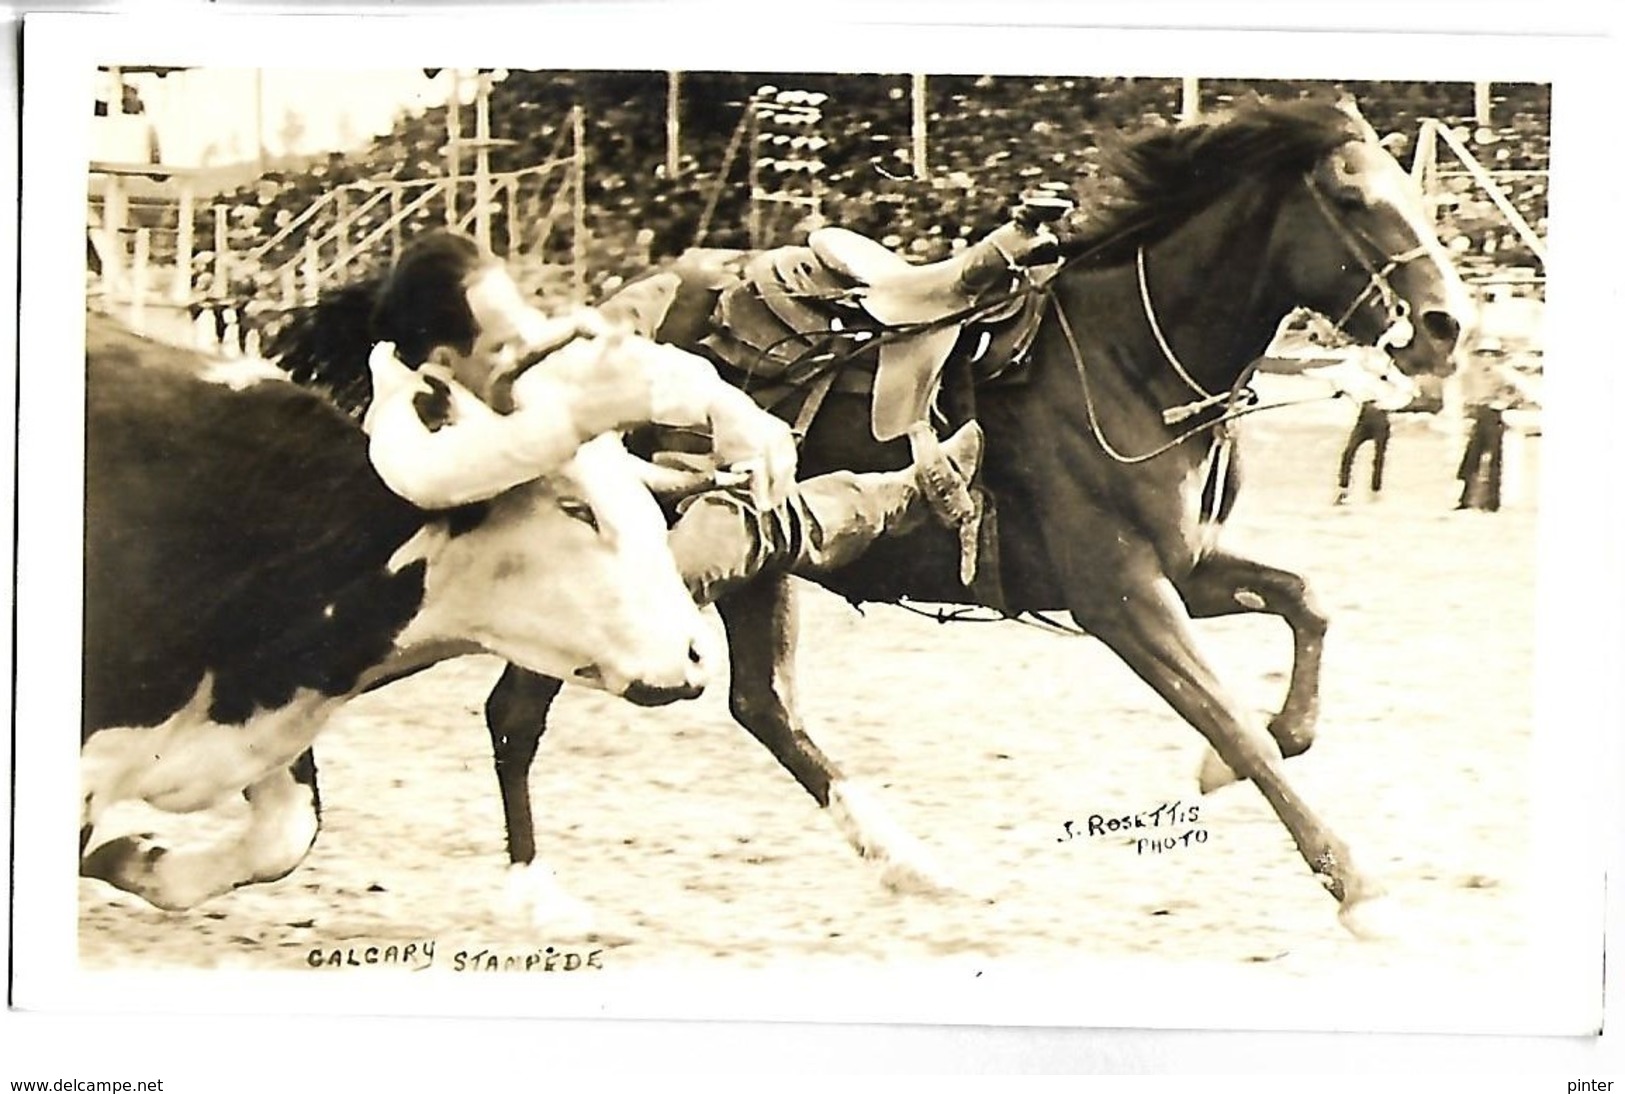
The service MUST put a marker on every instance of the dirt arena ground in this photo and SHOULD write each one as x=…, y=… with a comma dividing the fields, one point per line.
x=984, y=740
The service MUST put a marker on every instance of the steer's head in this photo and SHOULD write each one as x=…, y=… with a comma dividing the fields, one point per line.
x=569, y=576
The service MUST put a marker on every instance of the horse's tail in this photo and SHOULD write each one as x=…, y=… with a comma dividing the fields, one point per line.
x=325, y=345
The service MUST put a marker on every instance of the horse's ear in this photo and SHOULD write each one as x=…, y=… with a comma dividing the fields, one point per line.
x=1350, y=107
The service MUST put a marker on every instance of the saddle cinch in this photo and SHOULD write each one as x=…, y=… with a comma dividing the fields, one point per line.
x=844, y=311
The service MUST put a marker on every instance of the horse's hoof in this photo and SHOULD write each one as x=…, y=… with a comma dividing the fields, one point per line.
x=913, y=877
x=532, y=892
x=1215, y=774
x=906, y=865
x=1377, y=919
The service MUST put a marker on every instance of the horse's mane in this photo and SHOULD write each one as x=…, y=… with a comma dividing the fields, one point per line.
x=1155, y=181
x=325, y=345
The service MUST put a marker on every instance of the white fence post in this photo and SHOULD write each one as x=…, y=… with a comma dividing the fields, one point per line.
x=138, y=280
x=181, y=289
x=578, y=187
x=921, y=167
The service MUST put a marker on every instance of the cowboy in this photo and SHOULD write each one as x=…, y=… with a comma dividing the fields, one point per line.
x=476, y=391
x=1487, y=392
x=1370, y=424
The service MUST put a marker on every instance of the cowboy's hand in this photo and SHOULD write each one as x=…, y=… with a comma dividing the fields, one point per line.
x=1369, y=376
x=590, y=323
x=748, y=439
x=539, y=334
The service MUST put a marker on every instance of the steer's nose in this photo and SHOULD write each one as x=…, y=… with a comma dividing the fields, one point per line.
x=656, y=695
x=653, y=691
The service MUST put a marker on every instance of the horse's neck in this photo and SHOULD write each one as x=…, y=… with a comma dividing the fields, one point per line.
x=1207, y=288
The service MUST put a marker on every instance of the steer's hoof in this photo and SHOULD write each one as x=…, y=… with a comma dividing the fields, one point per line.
x=131, y=863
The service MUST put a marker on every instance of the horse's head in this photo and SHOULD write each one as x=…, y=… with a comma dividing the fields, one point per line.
x=1359, y=247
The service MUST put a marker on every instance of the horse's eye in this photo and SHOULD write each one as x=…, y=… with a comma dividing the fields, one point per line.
x=576, y=509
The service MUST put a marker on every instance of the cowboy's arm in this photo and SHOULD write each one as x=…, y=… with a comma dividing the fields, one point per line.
x=671, y=479
x=623, y=381
x=438, y=446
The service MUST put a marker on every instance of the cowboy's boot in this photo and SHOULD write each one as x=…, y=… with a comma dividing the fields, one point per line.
x=947, y=487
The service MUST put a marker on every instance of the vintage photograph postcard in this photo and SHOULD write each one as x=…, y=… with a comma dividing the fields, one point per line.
x=958, y=525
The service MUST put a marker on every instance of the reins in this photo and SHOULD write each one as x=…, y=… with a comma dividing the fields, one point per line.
x=1168, y=353
x=1240, y=400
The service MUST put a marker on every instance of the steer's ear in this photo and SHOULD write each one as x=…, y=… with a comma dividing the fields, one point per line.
x=433, y=406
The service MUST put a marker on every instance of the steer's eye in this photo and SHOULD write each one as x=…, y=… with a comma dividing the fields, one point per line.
x=576, y=509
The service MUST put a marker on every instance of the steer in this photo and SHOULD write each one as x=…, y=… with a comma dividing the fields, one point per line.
x=246, y=572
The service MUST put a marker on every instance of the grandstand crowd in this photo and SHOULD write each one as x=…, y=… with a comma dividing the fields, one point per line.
x=989, y=138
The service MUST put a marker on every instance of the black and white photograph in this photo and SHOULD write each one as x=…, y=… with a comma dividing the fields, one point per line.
x=1012, y=528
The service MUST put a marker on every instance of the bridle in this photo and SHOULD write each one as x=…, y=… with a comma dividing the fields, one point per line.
x=1398, y=332
x=1241, y=399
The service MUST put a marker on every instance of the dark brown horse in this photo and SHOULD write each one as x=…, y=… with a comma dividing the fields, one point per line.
x=1105, y=510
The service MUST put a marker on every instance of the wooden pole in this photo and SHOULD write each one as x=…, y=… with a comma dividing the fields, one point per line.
x=1190, y=100
x=222, y=240
x=454, y=145
x=674, y=134
x=181, y=290
x=1482, y=111
x=394, y=221
x=482, y=161
x=513, y=234
x=1488, y=184
x=578, y=186
x=259, y=122
x=311, y=272
x=922, y=170
x=138, y=279
x=753, y=223
x=113, y=214
x=341, y=227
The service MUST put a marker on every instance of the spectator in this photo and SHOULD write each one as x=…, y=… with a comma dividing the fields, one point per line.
x=1372, y=425
x=1486, y=393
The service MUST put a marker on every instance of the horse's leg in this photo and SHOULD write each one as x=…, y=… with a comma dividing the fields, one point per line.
x=1224, y=584
x=516, y=716
x=284, y=817
x=1151, y=630
x=761, y=622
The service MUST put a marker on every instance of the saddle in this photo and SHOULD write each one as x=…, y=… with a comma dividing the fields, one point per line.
x=844, y=308
x=843, y=311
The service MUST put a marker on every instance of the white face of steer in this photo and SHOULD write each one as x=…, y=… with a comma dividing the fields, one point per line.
x=570, y=577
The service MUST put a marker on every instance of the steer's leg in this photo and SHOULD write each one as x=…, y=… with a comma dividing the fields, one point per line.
x=516, y=715
x=761, y=621
x=1224, y=584
x=284, y=816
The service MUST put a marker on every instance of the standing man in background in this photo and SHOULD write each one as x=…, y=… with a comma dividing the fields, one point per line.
x=1486, y=394
x=1372, y=425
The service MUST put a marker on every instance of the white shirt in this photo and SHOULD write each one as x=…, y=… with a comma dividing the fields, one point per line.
x=436, y=444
